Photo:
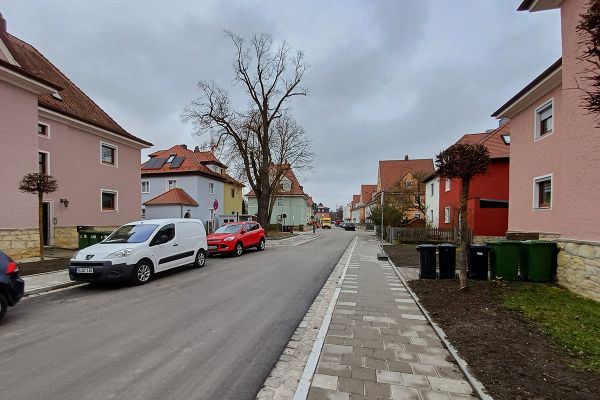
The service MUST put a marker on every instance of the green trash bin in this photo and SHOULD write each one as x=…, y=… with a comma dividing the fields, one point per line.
x=84, y=239
x=88, y=238
x=505, y=258
x=537, y=260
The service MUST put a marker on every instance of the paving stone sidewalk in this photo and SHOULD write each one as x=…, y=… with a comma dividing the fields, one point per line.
x=379, y=345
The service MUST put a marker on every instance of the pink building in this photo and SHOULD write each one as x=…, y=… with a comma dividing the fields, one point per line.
x=555, y=155
x=48, y=124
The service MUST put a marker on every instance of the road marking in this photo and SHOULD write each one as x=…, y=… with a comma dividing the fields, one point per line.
x=313, y=359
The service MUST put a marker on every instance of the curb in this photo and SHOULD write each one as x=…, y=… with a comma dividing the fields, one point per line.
x=44, y=273
x=50, y=288
x=462, y=364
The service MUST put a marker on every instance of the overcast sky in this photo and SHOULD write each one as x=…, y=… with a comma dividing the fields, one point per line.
x=387, y=78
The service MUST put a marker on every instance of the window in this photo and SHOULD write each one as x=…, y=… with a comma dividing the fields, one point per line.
x=446, y=215
x=280, y=201
x=431, y=189
x=171, y=184
x=145, y=187
x=168, y=231
x=109, y=200
x=506, y=139
x=447, y=184
x=43, y=163
x=408, y=184
x=542, y=192
x=418, y=199
x=417, y=216
x=431, y=215
x=211, y=188
x=43, y=129
x=171, y=158
x=544, y=119
x=108, y=154
x=233, y=193
x=187, y=215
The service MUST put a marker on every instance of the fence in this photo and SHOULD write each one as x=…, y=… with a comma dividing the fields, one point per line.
x=424, y=235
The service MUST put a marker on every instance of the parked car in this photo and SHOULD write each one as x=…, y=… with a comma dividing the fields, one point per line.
x=11, y=286
x=349, y=226
x=234, y=237
x=136, y=251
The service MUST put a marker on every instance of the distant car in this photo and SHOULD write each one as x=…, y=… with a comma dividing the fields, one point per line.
x=137, y=250
x=349, y=226
x=11, y=286
x=235, y=237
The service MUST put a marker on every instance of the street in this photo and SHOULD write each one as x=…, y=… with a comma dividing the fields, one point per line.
x=213, y=333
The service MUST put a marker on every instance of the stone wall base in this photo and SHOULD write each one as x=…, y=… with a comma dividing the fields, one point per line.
x=578, y=267
x=20, y=243
x=67, y=237
x=483, y=239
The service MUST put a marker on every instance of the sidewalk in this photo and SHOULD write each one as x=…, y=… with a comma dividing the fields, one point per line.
x=39, y=283
x=379, y=345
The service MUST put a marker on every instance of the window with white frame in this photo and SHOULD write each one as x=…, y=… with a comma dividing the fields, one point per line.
x=211, y=188
x=431, y=213
x=43, y=129
x=446, y=215
x=544, y=119
x=431, y=189
x=542, y=192
x=171, y=184
x=109, y=200
x=108, y=154
x=280, y=201
x=145, y=187
x=447, y=184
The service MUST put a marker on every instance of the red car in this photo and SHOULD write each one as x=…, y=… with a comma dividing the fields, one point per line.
x=234, y=237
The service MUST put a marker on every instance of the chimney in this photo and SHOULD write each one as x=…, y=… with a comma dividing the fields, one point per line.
x=406, y=157
x=196, y=149
x=2, y=23
x=184, y=146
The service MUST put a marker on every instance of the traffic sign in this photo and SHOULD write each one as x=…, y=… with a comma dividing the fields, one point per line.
x=216, y=204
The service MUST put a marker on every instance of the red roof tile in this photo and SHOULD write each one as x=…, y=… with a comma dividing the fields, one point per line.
x=392, y=171
x=492, y=140
x=366, y=193
x=355, y=200
x=190, y=164
x=74, y=103
x=174, y=196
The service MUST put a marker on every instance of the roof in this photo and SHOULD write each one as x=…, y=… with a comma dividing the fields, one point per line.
x=557, y=64
x=295, y=190
x=392, y=171
x=74, y=103
x=174, y=196
x=492, y=140
x=539, y=5
x=355, y=200
x=186, y=161
x=366, y=193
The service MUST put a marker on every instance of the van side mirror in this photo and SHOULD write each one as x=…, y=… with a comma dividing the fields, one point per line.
x=162, y=239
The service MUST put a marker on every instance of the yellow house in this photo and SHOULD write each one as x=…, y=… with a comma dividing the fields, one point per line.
x=232, y=198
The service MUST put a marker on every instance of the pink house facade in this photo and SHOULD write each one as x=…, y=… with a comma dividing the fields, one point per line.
x=48, y=125
x=555, y=155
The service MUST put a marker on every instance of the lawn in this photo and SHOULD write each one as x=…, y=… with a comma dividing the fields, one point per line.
x=572, y=321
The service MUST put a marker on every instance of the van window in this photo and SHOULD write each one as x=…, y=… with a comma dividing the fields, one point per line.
x=131, y=234
x=168, y=230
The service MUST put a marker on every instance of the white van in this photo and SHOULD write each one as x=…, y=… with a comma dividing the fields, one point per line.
x=137, y=250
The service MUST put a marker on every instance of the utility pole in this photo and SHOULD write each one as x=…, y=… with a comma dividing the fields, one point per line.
x=382, y=255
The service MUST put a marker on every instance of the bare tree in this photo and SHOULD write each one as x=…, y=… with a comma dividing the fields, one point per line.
x=264, y=141
x=463, y=161
x=39, y=184
x=589, y=32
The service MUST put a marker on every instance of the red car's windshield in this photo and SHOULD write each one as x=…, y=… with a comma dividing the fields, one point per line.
x=233, y=228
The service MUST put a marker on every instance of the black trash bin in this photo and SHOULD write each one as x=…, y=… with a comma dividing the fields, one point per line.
x=478, y=261
x=447, y=260
x=428, y=260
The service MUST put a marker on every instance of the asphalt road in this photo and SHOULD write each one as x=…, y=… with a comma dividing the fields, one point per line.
x=212, y=333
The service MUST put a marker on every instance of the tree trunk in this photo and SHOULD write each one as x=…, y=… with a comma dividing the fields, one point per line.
x=263, y=210
x=41, y=224
x=462, y=235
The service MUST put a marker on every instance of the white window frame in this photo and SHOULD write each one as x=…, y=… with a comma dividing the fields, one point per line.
x=280, y=202
x=116, y=154
x=447, y=212
x=116, y=193
x=171, y=180
x=47, y=135
x=211, y=188
x=536, y=120
x=47, y=153
x=147, y=186
x=447, y=184
x=170, y=158
x=536, y=192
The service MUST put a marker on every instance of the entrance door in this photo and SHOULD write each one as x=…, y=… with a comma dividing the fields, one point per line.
x=46, y=223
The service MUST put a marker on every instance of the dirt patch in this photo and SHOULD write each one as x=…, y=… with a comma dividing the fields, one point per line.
x=404, y=255
x=510, y=355
x=279, y=235
x=38, y=267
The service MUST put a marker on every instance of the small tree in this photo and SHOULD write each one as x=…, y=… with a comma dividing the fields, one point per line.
x=589, y=32
x=39, y=184
x=463, y=161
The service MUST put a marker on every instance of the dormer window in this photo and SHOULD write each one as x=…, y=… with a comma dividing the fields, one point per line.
x=171, y=158
x=506, y=139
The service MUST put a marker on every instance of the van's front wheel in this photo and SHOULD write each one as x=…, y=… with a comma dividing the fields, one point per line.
x=142, y=273
x=200, y=259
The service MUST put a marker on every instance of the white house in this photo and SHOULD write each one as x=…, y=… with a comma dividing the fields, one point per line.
x=432, y=200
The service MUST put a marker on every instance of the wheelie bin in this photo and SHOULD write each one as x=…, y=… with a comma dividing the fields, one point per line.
x=447, y=254
x=505, y=257
x=427, y=259
x=478, y=261
x=537, y=260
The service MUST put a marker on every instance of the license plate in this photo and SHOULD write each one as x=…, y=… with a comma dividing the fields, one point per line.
x=212, y=247
x=85, y=270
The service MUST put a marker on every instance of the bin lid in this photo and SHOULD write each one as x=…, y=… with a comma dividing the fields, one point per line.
x=480, y=246
x=510, y=242
x=447, y=245
x=538, y=243
x=426, y=246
